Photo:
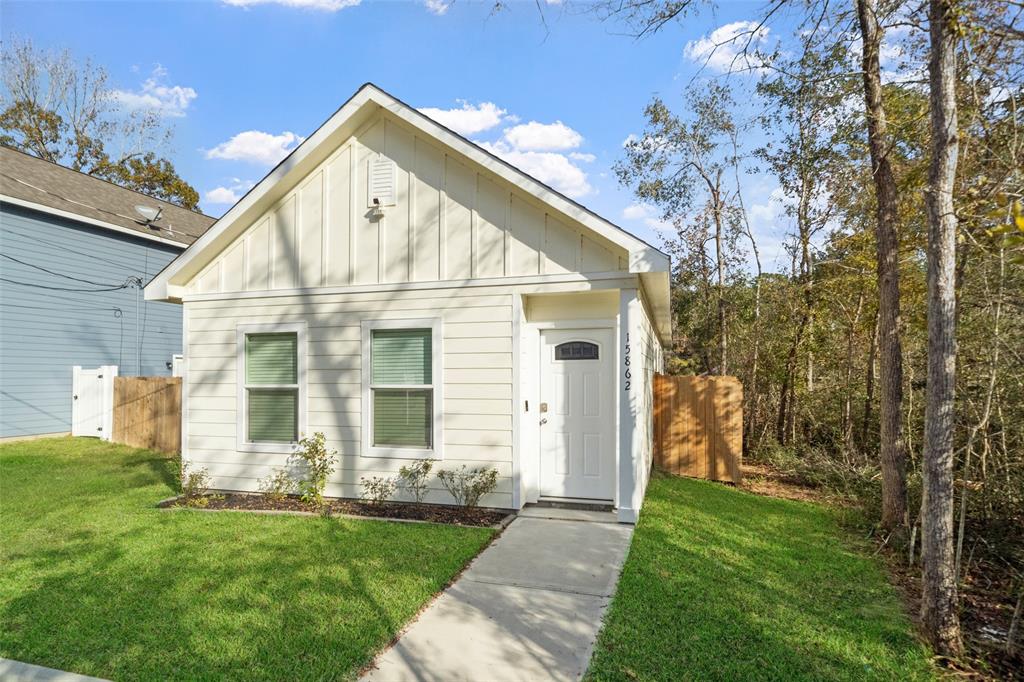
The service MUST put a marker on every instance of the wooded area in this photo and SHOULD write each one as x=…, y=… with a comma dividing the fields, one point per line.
x=882, y=359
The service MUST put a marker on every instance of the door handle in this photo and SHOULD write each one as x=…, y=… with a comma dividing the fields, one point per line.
x=543, y=421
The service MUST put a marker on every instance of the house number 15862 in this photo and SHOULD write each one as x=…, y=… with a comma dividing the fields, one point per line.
x=625, y=361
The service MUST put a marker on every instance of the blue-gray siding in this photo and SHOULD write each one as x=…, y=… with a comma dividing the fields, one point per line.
x=44, y=332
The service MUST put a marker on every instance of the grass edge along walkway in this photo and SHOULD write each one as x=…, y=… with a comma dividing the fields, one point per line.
x=721, y=584
x=98, y=581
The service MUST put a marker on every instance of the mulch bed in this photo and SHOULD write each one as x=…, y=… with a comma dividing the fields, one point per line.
x=433, y=513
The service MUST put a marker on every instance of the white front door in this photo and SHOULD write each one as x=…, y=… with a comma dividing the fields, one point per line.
x=577, y=432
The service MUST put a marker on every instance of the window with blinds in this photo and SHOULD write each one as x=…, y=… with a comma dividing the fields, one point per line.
x=272, y=387
x=401, y=388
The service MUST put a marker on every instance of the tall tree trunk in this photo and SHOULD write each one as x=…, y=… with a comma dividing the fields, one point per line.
x=752, y=391
x=869, y=385
x=893, y=454
x=723, y=339
x=939, y=588
x=848, y=390
x=872, y=350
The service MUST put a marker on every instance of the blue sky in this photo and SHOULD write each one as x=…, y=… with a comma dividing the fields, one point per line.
x=241, y=81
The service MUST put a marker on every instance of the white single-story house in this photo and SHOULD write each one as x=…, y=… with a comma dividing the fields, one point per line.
x=408, y=294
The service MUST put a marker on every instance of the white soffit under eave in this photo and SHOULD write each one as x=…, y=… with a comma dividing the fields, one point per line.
x=166, y=284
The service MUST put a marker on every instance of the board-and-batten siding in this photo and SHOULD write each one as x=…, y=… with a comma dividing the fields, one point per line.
x=449, y=222
x=44, y=332
x=477, y=375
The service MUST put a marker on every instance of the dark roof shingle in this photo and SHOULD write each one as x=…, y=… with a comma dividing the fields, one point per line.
x=41, y=182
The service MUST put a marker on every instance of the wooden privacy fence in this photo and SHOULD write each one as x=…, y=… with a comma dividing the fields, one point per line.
x=147, y=412
x=698, y=426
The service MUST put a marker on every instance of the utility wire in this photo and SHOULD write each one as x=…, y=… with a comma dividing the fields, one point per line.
x=44, y=242
x=57, y=274
x=43, y=286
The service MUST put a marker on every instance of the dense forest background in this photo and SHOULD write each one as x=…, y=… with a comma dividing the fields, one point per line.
x=808, y=341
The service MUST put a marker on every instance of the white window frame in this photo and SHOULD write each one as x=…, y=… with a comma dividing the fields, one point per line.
x=368, y=449
x=242, y=442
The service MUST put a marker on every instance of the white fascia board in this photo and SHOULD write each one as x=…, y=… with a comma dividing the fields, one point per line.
x=642, y=256
x=161, y=286
x=658, y=297
x=88, y=221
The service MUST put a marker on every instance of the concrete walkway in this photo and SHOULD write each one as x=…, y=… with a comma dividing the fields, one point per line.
x=528, y=608
x=16, y=671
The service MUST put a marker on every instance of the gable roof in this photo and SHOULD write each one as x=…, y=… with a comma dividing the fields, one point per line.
x=649, y=262
x=35, y=183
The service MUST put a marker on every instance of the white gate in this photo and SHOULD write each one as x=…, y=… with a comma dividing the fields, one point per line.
x=92, y=402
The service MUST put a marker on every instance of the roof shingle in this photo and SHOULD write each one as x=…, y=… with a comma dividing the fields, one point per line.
x=28, y=178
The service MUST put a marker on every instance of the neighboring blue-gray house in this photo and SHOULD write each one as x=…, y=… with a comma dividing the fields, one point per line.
x=74, y=251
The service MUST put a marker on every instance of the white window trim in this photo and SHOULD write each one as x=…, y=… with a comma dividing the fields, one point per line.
x=242, y=444
x=368, y=449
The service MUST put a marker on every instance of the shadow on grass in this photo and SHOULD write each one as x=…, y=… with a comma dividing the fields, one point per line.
x=125, y=591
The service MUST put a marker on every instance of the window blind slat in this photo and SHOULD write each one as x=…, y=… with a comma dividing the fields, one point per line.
x=401, y=356
x=271, y=359
x=402, y=417
x=273, y=415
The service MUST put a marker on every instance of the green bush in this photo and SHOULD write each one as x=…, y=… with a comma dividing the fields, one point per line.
x=377, y=490
x=468, y=486
x=278, y=485
x=319, y=465
x=194, y=485
x=413, y=478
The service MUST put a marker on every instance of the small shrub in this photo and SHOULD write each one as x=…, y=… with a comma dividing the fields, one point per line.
x=277, y=486
x=194, y=486
x=468, y=486
x=319, y=465
x=413, y=478
x=377, y=490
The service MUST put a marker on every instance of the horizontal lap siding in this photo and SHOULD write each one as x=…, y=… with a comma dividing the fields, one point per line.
x=477, y=376
x=44, y=331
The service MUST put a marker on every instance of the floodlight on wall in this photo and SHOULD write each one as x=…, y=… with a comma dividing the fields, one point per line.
x=149, y=216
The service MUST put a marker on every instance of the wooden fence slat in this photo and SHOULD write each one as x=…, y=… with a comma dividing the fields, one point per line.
x=698, y=426
x=147, y=412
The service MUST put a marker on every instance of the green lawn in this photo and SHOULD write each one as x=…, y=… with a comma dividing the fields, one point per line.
x=97, y=581
x=725, y=585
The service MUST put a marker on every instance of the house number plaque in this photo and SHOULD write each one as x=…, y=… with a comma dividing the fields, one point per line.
x=627, y=376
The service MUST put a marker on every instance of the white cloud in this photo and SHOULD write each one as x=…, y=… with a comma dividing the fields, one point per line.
x=539, y=137
x=551, y=168
x=537, y=149
x=468, y=119
x=222, y=195
x=437, y=7
x=648, y=216
x=256, y=146
x=318, y=5
x=722, y=49
x=229, y=194
x=155, y=95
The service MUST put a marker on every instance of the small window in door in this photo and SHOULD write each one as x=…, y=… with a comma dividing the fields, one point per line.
x=576, y=350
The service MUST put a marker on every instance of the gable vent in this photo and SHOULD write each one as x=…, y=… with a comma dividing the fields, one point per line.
x=382, y=182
